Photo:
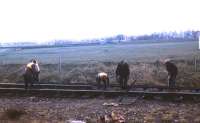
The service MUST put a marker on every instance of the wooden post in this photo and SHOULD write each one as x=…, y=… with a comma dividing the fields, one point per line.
x=199, y=40
x=59, y=66
x=195, y=64
x=157, y=67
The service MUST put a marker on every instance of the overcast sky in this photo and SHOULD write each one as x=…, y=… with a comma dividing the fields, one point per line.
x=45, y=20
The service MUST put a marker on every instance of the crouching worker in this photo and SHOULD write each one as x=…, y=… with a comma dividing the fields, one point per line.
x=31, y=74
x=172, y=72
x=122, y=74
x=102, y=77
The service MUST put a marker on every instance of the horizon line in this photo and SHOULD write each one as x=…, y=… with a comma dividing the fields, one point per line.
x=97, y=38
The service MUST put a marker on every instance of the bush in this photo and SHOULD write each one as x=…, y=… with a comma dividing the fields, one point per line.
x=13, y=114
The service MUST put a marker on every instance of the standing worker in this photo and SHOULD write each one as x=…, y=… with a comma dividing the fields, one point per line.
x=122, y=74
x=172, y=72
x=37, y=71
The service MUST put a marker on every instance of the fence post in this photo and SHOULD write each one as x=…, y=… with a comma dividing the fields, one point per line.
x=59, y=65
x=60, y=68
x=195, y=64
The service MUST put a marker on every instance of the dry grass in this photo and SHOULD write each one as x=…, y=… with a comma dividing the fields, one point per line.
x=144, y=72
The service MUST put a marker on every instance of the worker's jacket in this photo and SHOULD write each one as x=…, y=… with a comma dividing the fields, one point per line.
x=171, y=69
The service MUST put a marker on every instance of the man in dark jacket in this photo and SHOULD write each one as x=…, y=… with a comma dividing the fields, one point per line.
x=122, y=74
x=172, y=72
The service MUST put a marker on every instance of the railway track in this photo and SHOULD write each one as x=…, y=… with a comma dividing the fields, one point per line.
x=81, y=86
x=84, y=90
x=48, y=86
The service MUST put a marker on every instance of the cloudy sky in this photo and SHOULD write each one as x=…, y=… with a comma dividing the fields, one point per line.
x=45, y=20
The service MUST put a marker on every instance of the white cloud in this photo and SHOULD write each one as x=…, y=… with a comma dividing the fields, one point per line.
x=42, y=20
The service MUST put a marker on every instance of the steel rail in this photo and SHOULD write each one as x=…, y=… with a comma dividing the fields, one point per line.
x=8, y=92
x=83, y=86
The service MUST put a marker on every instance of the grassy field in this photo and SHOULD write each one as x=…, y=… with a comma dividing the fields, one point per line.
x=82, y=63
x=101, y=53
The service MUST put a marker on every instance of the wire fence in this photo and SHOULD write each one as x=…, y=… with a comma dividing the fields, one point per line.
x=59, y=69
